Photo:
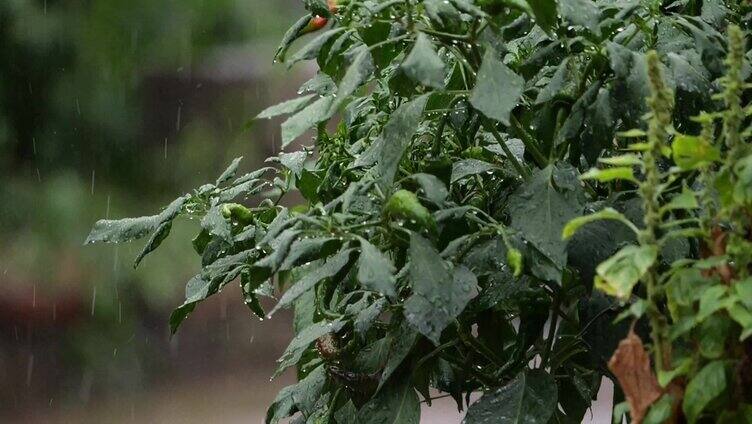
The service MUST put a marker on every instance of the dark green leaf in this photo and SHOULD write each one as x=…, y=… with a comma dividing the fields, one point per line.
x=543, y=206
x=396, y=404
x=544, y=12
x=400, y=343
x=433, y=188
x=375, y=270
x=440, y=293
x=423, y=65
x=297, y=124
x=294, y=161
x=387, y=150
x=229, y=173
x=497, y=90
x=468, y=167
x=154, y=241
x=557, y=83
x=298, y=397
x=328, y=269
x=705, y=386
x=530, y=398
x=312, y=49
x=128, y=229
x=286, y=107
x=302, y=340
x=582, y=12
x=196, y=290
x=365, y=318
x=292, y=34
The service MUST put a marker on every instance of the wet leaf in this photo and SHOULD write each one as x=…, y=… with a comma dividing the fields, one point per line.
x=439, y=292
x=530, y=398
x=497, y=90
x=423, y=65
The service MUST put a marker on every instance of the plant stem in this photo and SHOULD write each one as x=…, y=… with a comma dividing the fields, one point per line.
x=661, y=105
x=489, y=126
x=553, y=323
x=529, y=142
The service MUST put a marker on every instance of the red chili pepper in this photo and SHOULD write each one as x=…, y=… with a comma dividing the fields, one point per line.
x=317, y=22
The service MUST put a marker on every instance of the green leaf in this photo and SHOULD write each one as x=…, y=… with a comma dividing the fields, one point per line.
x=357, y=74
x=498, y=89
x=230, y=172
x=286, y=107
x=713, y=333
x=433, y=188
x=440, y=293
x=128, y=229
x=713, y=299
x=687, y=200
x=387, y=150
x=545, y=13
x=216, y=224
x=530, y=398
x=743, y=317
x=441, y=12
x=467, y=167
x=542, y=206
x=196, y=290
x=346, y=414
x=688, y=72
x=365, y=318
x=302, y=340
x=660, y=411
x=704, y=387
x=631, y=86
x=633, y=133
x=312, y=49
x=620, y=273
x=299, y=123
x=396, y=404
x=375, y=270
x=154, y=241
x=423, y=65
x=625, y=173
x=311, y=277
x=583, y=13
x=292, y=34
x=667, y=376
x=294, y=161
x=743, y=290
x=743, y=186
x=298, y=397
x=308, y=249
x=605, y=213
x=691, y=152
x=400, y=344
x=557, y=83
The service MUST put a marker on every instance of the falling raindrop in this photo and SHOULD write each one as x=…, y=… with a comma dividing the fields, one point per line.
x=93, y=300
x=179, y=117
x=29, y=370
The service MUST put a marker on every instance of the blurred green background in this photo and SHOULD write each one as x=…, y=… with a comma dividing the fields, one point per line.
x=111, y=108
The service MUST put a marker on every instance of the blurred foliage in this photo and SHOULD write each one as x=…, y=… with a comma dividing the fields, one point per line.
x=84, y=89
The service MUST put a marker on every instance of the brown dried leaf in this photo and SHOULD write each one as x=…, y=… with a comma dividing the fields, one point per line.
x=631, y=366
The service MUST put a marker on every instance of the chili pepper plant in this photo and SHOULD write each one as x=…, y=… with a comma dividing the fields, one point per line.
x=510, y=198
